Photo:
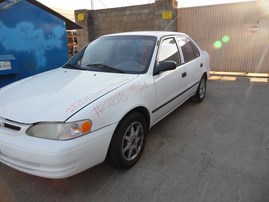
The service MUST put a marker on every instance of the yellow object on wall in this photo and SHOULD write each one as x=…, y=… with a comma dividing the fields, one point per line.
x=167, y=15
x=81, y=16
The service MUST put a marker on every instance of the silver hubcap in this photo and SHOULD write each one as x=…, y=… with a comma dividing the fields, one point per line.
x=132, y=141
x=202, y=88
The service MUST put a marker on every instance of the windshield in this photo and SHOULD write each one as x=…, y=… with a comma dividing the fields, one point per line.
x=118, y=54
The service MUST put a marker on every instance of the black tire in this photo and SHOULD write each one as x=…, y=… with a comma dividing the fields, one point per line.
x=128, y=141
x=201, y=91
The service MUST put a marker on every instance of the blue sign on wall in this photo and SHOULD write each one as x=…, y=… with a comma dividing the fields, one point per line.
x=36, y=38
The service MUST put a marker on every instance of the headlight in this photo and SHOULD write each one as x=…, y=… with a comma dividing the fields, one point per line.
x=60, y=131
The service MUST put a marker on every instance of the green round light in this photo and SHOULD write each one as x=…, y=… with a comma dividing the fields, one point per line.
x=217, y=44
x=225, y=39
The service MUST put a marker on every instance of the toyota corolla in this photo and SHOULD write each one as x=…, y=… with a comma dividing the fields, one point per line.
x=99, y=105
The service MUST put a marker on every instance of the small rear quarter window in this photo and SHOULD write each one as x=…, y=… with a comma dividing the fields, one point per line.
x=189, y=49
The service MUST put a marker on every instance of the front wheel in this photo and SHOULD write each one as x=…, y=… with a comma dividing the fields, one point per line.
x=128, y=142
x=201, y=91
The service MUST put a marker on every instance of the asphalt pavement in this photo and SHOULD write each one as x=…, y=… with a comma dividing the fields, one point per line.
x=214, y=151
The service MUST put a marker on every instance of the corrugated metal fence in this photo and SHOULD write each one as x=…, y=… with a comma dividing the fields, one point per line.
x=235, y=35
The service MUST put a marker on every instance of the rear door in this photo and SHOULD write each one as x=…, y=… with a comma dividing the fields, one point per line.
x=191, y=60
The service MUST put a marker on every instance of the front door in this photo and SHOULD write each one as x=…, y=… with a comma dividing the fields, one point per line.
x=169, y=85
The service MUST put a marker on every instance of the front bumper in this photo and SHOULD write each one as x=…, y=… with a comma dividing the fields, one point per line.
x=54, y=158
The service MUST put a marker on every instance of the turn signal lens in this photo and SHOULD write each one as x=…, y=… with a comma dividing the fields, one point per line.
x=86, y=127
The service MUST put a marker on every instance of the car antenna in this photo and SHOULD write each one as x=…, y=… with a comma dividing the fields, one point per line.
x=171, y=22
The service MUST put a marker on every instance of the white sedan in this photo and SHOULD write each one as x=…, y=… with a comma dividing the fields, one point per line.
x=100, y=104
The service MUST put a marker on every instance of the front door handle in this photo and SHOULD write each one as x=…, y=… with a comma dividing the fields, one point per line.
x=184, y=74
x=201, y=65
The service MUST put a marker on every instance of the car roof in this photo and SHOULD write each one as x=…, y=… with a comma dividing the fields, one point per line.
x=157, y=34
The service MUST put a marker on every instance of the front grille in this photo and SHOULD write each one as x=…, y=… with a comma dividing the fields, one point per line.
x=12, y=127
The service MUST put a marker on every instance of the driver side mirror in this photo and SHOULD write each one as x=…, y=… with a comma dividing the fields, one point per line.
x=164, y=66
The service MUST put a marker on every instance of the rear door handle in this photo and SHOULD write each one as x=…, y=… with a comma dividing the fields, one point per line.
x=201, y=65
x=184, y=74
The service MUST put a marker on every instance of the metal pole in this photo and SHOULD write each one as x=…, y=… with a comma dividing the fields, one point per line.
x=91, y=4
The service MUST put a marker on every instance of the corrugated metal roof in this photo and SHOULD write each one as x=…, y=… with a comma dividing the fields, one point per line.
x=70, y=25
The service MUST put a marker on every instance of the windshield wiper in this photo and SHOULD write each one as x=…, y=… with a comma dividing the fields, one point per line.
x=105, y=67
x=71, y=66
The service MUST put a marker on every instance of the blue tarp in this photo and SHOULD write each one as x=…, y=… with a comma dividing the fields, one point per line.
x=36, y=38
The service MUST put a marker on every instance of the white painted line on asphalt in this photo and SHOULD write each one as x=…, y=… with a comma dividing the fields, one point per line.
x=222, y=78
x=233, y=78
x=260, y=80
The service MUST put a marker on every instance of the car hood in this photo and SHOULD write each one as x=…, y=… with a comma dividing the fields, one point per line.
x=56, y=95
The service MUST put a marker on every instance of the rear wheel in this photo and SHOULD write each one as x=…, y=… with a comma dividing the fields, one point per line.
x=201, y=91
x=128, y=141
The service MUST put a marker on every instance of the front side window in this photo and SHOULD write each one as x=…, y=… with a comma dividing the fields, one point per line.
x=190, y=51
x=168, y=51
x=119, y=54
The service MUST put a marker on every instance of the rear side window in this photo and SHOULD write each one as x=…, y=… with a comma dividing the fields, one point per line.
x=190, y=51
